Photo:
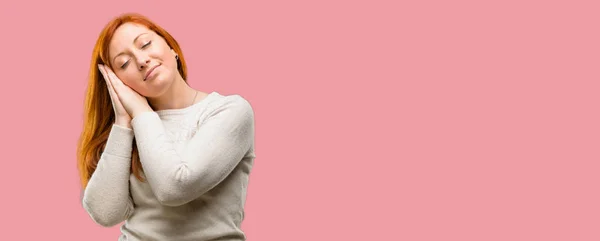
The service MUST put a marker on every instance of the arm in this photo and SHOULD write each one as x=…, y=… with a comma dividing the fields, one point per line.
x=106, y=197
x=214, y=151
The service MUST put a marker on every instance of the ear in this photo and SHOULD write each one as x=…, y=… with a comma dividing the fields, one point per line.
x=174, y=53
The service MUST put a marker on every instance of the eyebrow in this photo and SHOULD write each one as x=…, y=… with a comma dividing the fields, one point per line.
x=135, y=39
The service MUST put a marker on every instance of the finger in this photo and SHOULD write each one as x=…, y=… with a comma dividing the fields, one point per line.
x=106, y=80
x=112, y=76
x=111, y=86
x=111, y=92
x=109, y=81
x=111, y=89
x=106, y=72
x=109, y=78
x=101, y=69
x=116, y=83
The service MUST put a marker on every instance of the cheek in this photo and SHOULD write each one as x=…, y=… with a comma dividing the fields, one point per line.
x=172, y=62
x=131, y=79
x=166, y=56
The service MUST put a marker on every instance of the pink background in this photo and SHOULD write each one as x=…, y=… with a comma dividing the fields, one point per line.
x=376, y=120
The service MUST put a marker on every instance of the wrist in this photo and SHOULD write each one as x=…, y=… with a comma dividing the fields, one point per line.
x=123, y=123
x=139, y=112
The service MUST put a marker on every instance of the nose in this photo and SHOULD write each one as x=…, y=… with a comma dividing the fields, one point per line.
x=143, y=61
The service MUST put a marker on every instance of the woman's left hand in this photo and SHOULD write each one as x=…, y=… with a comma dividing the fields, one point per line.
x=132, y=101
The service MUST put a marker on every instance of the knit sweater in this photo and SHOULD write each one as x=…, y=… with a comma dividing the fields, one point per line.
x=196, y=163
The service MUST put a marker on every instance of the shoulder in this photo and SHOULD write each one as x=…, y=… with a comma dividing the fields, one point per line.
x=231, y=105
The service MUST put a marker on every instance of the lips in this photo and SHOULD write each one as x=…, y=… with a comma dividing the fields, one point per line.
x=150, y=72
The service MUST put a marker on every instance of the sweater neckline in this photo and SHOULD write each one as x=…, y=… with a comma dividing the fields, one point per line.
x=184, y=110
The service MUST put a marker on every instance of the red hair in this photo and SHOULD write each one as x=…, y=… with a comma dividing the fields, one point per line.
x=98, y=111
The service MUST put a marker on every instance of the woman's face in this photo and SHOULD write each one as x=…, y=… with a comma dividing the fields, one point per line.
x=142, y=59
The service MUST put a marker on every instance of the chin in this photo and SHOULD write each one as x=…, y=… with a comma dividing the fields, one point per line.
x=158, y=86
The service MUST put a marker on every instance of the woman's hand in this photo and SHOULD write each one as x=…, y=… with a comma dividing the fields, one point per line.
x=122, y=118
x=123, y=96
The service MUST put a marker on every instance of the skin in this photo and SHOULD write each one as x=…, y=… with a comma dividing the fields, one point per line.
x=134, y=51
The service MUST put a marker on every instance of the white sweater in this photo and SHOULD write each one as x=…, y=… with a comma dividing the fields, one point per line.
x=196, y=163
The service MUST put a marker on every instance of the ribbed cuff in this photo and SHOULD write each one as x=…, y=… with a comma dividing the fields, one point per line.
x=120, y=141
x=140, y=118
x=146, y=126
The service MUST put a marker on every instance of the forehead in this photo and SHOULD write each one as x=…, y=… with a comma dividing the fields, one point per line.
x=125, y=34
x=128, y=31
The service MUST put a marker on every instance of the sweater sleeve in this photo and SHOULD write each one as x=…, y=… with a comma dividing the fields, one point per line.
x=106, y=197
x=219, y=144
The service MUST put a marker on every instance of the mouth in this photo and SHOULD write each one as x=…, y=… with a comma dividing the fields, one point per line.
x=150, y=72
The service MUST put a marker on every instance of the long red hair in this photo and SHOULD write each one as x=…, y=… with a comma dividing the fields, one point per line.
x=99, y=115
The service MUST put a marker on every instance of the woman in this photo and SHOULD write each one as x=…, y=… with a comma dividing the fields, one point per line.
x=171, y=161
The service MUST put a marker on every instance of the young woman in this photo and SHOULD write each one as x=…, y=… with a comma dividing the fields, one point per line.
x=169, y=160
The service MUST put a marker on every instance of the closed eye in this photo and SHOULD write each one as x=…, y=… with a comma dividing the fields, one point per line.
x=125, y=64
x=146, y=44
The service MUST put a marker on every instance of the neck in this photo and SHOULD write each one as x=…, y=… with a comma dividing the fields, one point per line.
x=179, y=95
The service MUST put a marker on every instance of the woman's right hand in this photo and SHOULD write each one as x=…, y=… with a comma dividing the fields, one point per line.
x=122, y=118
